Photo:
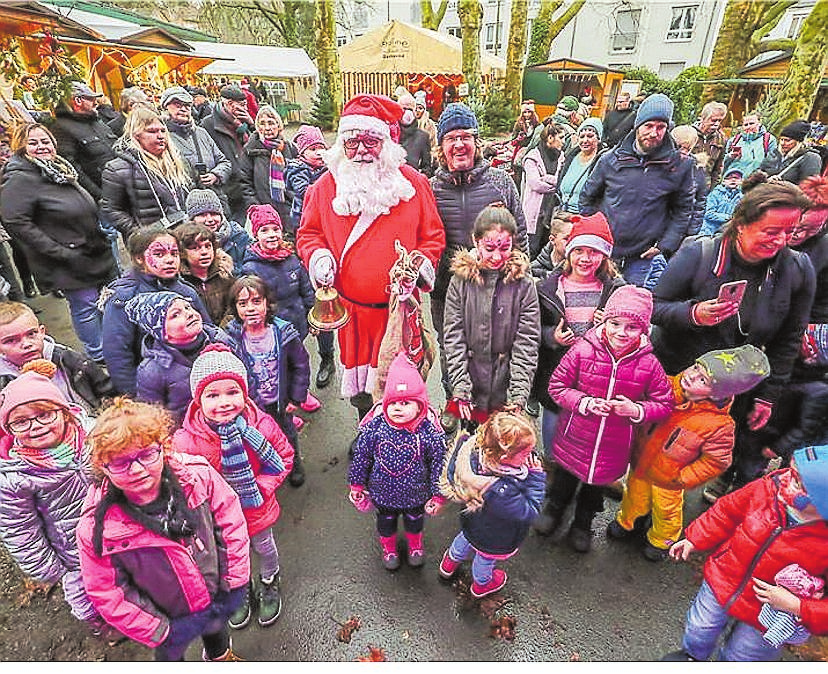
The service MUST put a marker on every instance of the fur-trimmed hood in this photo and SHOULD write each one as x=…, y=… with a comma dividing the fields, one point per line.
x=466, y=265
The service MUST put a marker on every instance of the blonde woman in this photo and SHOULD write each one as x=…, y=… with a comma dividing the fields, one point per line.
x=266, y=155
x=148, y=181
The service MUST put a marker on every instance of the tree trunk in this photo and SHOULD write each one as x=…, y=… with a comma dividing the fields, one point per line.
x=431, y=18
x=744, y=24
x=545, y=28
x=470, y=13
x=327, y=58
x=515, y=52
x=801, y=84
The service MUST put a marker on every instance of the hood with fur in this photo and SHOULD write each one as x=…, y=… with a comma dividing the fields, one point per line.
x=466, y=265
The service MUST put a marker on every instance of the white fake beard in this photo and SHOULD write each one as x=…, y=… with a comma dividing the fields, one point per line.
x=371, y=188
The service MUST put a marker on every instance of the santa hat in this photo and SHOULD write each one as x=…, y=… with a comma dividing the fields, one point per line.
x=369, y=112
x=262, y=214
x=630, y=302
x=215, y=362
x=592, y=231
x=404, y=382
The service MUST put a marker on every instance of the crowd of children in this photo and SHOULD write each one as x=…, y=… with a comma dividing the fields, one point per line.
x=161, y=473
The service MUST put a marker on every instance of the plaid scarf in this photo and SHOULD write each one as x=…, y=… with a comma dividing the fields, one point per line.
x=277, y=170
x=235, y=466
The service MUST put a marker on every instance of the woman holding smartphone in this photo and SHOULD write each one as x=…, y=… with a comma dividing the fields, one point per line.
x=692, y=317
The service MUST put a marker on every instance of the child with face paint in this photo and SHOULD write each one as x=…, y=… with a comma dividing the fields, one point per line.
x=492, y=322
x=754, y=534
x=273, y=260
x=155, y=256
x=398, y=456
x=606, y=384
x=174, y=335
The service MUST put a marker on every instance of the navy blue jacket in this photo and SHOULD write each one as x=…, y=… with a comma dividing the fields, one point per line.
x=121, y=337
x=648, y=200
x=234, y=243
x=290, y=284
x=299, y=175
x=164, y=373
x=294, y=363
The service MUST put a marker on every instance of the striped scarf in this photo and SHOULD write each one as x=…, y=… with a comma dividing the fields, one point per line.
x=235, y=466
x=277, y=170
x=67, y=453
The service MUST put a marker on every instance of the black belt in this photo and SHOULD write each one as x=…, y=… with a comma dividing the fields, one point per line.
x=367, y=305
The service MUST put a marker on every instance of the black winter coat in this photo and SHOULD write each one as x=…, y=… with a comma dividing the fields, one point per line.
x=816, y=248
x=255, y=177
x=57, y=224
x=85, y=141
x=133, y=196
x=780, y=311
x=417, y=145
x=460, y=197
x=223, y=131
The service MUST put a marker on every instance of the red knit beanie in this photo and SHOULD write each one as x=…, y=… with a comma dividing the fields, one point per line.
x=262, y=214
x=592, y=231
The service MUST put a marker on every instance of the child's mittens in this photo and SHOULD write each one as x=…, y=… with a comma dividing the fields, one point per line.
x=797, y=580
x=359, y=498
x=435, y=504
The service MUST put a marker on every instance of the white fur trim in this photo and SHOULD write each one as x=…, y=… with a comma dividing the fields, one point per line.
x=590, y=241
x=316, y=257
x=364, y=221
x=359, y=379
x=364, y=123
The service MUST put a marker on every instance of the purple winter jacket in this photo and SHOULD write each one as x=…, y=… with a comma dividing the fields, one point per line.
x=593, y=448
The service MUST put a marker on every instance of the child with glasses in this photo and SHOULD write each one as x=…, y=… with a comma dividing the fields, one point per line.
x=163, y=542
x=43, y=481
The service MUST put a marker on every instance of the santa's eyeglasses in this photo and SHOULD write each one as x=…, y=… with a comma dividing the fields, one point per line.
x=368, y=142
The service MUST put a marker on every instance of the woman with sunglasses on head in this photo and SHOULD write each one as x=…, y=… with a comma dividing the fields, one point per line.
x=163, y=542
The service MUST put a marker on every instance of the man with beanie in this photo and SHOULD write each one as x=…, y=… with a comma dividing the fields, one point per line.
x=415, y=141
x=208, y=166
x=646, y=189
x=798, y=160
x=566, y=116
x=230, y=127
x=351, y=218
x=464, y=184
x=205, y=208
x=693, y=445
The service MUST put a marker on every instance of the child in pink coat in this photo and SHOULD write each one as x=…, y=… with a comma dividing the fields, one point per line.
x=606, y=384
x=251, y=452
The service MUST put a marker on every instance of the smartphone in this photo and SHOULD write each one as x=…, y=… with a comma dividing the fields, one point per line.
x=732, y=292
x=200, y=168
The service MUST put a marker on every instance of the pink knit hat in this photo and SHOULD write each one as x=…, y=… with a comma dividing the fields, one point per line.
x=630, y=302
x=307, y=136
x=27, y=388
x=404, y=382
x=262, y=214
x=216, y=361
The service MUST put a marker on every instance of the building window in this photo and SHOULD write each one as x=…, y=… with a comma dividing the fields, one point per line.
x=341, y=40
x=669, y=70
x=796, y=25
x=627, y=22
x=360, y=17
x=494, y=37
x=454, y=31
x=682, y=23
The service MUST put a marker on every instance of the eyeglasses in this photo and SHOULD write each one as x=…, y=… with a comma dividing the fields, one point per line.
x=368, y=142
x=23, y=425
x=146, y=458
x=462, y=137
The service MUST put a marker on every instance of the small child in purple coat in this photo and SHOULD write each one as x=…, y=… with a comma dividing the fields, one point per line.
x=398, y=456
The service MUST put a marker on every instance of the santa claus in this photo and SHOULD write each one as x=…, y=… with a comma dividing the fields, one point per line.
x=350, y=221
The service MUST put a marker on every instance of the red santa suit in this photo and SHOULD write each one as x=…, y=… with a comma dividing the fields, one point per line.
x=362, y=249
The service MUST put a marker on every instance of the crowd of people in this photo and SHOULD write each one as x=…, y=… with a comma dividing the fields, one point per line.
x=632, y=305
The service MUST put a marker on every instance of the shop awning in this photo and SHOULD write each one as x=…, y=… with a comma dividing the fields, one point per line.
x=250, y=60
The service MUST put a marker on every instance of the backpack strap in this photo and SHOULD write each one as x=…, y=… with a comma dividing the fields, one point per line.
x=708, y=254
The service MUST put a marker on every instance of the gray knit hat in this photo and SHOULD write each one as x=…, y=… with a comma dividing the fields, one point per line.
x=216, y=361
x=202, y=201
x=654, y=107
x=734, y=371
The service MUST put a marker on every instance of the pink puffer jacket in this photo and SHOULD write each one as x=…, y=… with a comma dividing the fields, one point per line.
x=593, y=448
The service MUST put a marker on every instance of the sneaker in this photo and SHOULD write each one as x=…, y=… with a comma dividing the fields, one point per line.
x=533, y=407
x=580, y=540
x=241, y=616
x=677, y=656
x=448, y=422
x=270, y=601
x=715, y=490
x=548, y=521
x=227, y=656
x=448, y=567
x=311, y=403
x=617, y=532
x=496, y=583
x=652, y=553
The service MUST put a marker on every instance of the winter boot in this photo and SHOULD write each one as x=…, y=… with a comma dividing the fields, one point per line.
x=654, y=554
x=297, y=473
x=448, y=567
x=549, y=519
x=390, y=558
x=311, y=403
x=617, y=532
x=416, y=554
x=326, y=371
x=227, y=656
x=270, y=601
x=363, y=403
x=496, y=583
x=580, y=540
x=241, y=616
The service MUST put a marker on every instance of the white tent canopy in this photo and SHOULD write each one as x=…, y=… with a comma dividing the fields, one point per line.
x=256, y=60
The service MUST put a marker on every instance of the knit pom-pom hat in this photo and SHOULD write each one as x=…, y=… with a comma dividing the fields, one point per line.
x=200, y=202
x=216, y=361
x=816, y=189
x=307, y=136
x=29, y=387
x=405, y=382
x=630, y=302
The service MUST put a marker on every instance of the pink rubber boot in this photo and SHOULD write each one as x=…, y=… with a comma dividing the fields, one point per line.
x=390, y=558
x=416, y=554
x=311, y=404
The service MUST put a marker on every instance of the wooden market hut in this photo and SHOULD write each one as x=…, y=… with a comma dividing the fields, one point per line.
x=547, y=83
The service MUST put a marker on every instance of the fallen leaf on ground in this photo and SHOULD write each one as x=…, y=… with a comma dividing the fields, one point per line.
x=375, y=654
x=503, y=628
x=347, y=629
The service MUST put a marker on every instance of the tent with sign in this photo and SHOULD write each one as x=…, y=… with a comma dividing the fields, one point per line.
x=547, y=83
x=401, y=54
